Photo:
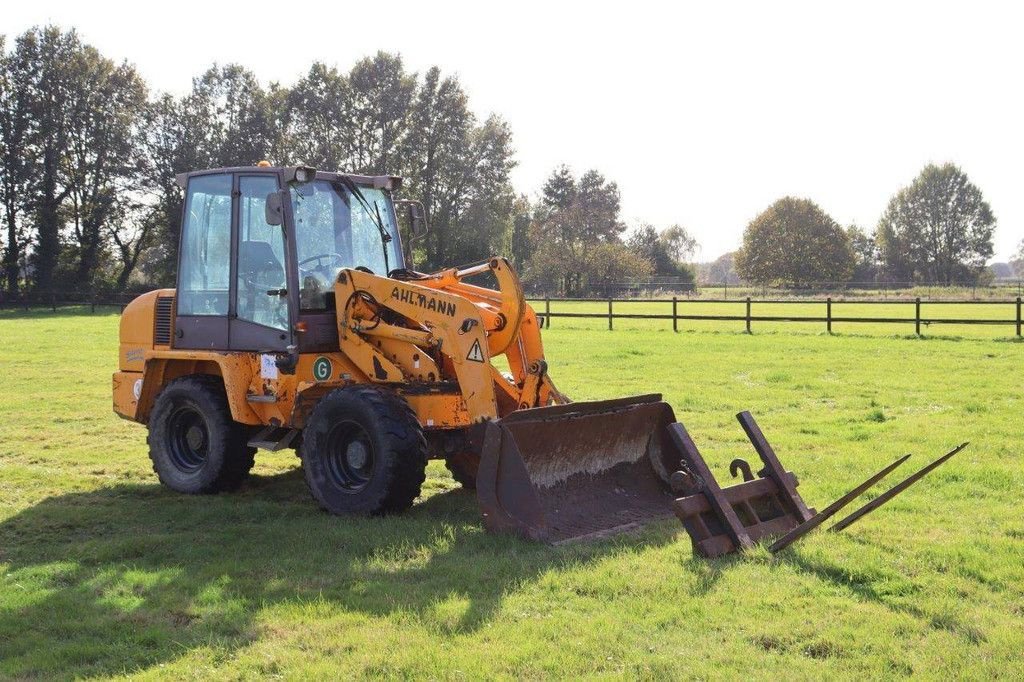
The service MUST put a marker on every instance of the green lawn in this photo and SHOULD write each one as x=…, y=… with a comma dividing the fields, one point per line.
x=104, y=573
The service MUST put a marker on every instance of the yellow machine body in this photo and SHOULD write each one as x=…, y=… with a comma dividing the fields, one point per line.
x=418, y=352
x=441, y=361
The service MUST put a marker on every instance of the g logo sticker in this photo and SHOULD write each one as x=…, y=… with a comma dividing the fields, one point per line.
x=322, y=369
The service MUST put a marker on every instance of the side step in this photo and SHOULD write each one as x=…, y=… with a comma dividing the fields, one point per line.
x=273, y=438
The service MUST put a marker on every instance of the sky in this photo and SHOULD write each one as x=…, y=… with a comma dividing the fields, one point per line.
x=703, y=113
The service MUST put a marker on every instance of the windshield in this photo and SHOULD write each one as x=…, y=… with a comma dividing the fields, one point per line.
x=335, y=230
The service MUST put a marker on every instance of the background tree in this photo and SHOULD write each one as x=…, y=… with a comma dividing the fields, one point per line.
x=50, y=54
x=721, y=270
x=679, y=243
x=793, y=242
x=939, y=229
x=657, y=250
x=573, y=216
x=101, y=164
x=1018, y=260
x=18, y=156
x=865, y=255
x=610, y=263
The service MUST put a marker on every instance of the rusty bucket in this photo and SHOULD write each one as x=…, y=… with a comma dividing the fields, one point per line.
x=579, y=470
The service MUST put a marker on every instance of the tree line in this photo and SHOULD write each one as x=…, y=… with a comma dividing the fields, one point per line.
x=89, y=201
x=937, y=230
x=89, y=154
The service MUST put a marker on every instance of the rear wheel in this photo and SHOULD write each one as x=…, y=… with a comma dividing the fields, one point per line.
x=363, y=452
x=195, y=446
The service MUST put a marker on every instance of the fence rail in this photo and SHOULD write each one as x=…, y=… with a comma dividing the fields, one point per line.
x=543, y=305
x=748, y=318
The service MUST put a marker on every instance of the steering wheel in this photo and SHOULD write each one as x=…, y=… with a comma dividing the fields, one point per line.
x=321, y=256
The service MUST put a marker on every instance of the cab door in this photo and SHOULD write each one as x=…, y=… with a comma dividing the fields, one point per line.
x=234, y=268
x=262, y=311
x=204, y=264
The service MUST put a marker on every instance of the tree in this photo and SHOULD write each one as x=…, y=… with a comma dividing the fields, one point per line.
x=51, y=92
x=228, y=119
x=679, y=243
x=599, y=202
x=480, y=215
x=17, y=154
x=380, y=96
x=1018, y=260
x=609, y=263
x=316, y=112
x=559, y=189
x=102, y=162
x=865, y=255
x=722, y=270
x=793, y=242
x=939, y=229
x=519, y=248
x=647, y=244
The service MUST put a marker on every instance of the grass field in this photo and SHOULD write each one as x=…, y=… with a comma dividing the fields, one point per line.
x=104, y=573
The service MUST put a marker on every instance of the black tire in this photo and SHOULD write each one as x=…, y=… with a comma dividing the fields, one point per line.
x=363, y=452
x=463, y=467
x=195, y=445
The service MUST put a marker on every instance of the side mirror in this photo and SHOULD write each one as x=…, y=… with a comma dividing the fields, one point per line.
x=416, y=214
x=275, y=207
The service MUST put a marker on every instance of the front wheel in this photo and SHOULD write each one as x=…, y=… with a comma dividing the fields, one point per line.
x=363, y=452
x=195, y=446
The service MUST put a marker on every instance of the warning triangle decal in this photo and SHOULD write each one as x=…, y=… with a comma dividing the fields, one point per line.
x=475, y=354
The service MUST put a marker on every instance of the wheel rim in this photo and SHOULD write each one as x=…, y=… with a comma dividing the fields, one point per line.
x=349, y=456
x=189, y=439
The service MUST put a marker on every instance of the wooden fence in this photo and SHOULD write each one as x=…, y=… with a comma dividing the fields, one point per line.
x=543, y=307
x=830, y=306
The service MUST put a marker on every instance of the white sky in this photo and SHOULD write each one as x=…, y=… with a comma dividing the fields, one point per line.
x=704, y=113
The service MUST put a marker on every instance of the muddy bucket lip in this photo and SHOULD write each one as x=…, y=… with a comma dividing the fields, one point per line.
x=528, y=484
x=583, y=407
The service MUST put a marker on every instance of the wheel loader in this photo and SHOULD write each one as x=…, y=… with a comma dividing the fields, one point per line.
x=298, y=321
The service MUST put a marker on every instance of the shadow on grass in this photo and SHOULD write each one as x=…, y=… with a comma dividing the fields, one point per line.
x=129, y=576
x=863, y=584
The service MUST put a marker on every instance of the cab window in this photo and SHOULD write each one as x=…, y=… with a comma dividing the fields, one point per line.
x=261, y=281
x=204, y=274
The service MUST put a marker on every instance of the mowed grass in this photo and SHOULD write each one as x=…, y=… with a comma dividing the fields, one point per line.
x=104, y=573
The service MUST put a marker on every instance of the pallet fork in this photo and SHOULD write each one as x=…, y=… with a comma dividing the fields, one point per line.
x=725, y=520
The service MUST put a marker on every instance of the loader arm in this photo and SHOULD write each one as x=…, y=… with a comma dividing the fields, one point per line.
x=447, y=324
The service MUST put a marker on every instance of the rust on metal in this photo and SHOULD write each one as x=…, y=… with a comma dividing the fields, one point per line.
x=723, y=520
x=578, y=470
x=773, y=466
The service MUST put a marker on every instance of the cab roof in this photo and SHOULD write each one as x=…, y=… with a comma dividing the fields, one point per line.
x=388, y=182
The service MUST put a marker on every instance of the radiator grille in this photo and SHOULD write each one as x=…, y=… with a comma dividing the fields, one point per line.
x=162, y=321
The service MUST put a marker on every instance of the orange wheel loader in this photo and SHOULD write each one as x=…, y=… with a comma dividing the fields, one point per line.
x=299, y=322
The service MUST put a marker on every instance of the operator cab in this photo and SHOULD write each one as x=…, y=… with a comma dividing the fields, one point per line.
x=261, y=248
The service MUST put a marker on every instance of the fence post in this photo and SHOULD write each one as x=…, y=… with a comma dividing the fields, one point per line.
x=726, y=296
x=547, y=313
x=609, y=314
x=917, y=316
x=828, y=314
x=1018, y=316
x=675, y=320
x=748, y=314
